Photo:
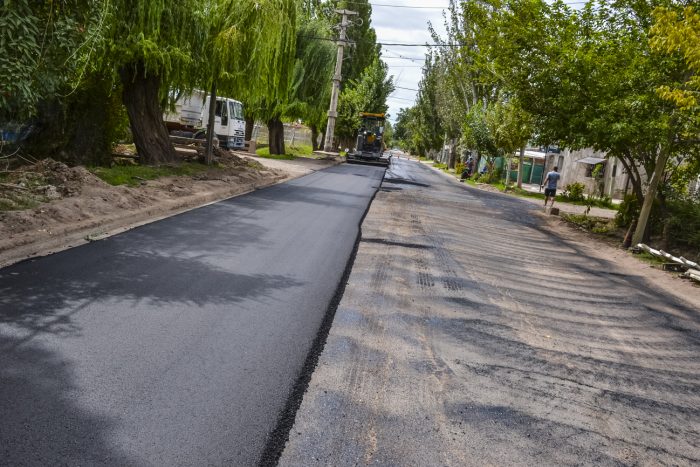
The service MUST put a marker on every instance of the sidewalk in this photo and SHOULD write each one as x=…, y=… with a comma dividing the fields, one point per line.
x=566, y=208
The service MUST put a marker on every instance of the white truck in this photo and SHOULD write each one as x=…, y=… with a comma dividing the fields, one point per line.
x=191, y=117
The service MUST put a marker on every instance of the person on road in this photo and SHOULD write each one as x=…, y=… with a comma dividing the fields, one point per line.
x=551, y=181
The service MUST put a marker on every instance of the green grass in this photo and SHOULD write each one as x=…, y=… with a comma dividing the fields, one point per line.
x=438, y=165
x=560, y=199
x=292, y=152
x=527, y=194
x=597, y=225
x=133, y=175
x=649, y=258
x=19, y=203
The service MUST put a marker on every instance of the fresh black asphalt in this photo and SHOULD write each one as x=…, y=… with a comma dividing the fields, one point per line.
x=176, y=343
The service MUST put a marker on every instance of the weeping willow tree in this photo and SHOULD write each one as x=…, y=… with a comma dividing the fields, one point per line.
x=49, y=92
x=247, y=51
x=313, y=69
x=151, y=45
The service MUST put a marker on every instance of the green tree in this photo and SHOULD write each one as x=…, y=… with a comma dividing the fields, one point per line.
x=38, y=45
x=364, y=48
x=680, y=34
x=248, y=38
x=368, y=94
x=511, y=128
x=313, y=70
x=47, y=52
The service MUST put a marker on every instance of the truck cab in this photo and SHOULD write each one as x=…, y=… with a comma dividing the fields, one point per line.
x=229, y=123
x=191, y=115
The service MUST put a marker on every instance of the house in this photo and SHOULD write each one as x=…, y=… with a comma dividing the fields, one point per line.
x=600, y=175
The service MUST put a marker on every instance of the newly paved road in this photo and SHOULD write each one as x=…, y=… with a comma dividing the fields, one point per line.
x=472, y=333
x=176, y=343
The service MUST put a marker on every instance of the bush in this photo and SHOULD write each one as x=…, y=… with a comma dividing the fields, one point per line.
x=459, y=168
x=574, y=191
x=490, y=177
x=627, y=212
x=684, y=224
x=596, y=225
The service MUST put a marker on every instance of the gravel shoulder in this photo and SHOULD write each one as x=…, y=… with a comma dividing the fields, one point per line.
x=476, y=331
x=87, y=209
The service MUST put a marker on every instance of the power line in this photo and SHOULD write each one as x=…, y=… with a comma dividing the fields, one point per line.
x=424, y=7
x=398, y=55
x=411, y=6
x=402, y=99
x=394, y=5
x=407, y=89
x=403, y=58
x=392, y=44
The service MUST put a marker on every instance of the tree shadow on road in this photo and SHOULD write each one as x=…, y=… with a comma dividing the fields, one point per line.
x=40, y=424
x=44, y=300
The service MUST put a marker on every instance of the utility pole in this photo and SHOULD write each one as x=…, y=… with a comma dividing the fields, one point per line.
x=337, y=78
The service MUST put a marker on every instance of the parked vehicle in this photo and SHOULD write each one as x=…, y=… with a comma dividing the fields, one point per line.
x=191, y=117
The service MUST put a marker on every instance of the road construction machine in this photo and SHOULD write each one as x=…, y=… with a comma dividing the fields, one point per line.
x=370, y=145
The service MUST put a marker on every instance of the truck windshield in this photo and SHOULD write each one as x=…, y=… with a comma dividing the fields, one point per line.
x=239, y=110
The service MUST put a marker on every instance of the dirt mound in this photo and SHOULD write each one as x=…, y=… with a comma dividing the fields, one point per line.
x=69, y=181
x=48, y=200
x=44, y=181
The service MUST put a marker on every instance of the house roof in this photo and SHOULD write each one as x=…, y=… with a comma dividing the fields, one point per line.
x=534, y=154
x=591, y=160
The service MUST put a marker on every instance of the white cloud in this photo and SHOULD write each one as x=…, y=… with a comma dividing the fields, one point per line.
x=405, y=25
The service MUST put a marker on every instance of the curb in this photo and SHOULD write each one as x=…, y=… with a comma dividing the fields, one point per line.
x=91, y=230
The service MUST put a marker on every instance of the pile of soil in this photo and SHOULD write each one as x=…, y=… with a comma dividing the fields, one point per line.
x=41, y=182
x=48, y=200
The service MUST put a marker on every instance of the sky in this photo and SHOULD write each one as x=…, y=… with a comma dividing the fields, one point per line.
x=405, y=21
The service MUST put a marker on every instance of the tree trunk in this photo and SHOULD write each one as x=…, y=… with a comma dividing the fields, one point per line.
x=208, y=156
x=77, y=130
x=275, y=130
x=141, y=98
x=506, y=166
x=521, y=161
x=633, y=177
x=452, y=157
x=249, y=127
x=650, y=196
x=314, y=137
x=323, y=137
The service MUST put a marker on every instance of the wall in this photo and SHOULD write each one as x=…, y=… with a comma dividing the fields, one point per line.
x=614, y=179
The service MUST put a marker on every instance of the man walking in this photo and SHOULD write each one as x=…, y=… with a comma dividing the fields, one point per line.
x=551, y=181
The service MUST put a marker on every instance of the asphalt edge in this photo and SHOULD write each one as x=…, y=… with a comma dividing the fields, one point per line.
x=277, y=439
x=71, y=238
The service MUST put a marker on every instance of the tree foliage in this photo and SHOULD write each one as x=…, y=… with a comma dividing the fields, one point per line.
x=43, y=50
x=679, y=33
x=618, y=77
x=367, y=94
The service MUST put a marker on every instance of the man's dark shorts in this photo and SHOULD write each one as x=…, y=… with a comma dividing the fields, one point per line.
x=551, y=192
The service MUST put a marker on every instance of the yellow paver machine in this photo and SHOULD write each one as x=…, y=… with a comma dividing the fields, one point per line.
x=370, y=145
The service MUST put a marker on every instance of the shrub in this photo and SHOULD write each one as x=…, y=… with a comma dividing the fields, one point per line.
x=684, y=224
x=574, y=191
x=627, y=212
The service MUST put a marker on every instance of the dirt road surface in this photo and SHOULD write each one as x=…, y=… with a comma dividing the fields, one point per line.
x=472, y=333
